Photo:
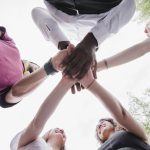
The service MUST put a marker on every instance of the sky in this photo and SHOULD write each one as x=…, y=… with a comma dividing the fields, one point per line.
x=79, y=113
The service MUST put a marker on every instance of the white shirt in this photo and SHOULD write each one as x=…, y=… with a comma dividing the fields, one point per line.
x=101, y=25
x=38, y=144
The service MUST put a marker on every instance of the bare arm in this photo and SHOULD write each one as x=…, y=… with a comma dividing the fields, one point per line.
x=112, y=104
x=117, y=110
x=32, y=81
x=26, y=85
x=45, y=111
x=125, y=56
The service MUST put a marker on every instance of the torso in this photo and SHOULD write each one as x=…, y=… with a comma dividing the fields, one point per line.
x=10, y=63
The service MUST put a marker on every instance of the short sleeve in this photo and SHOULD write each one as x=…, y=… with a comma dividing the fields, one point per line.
x=15, y=141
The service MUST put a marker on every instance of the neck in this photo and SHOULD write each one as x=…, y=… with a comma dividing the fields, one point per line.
x=54, y=146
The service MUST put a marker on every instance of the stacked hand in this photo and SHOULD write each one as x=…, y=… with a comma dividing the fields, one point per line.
x=76, y=61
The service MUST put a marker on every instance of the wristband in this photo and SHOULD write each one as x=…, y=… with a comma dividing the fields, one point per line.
x=49, y=69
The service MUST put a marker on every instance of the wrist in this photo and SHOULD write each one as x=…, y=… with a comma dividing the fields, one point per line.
x=66, y=81
x=90, y=41
x=49, y=68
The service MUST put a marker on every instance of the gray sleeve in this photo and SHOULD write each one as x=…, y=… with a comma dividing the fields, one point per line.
x=114, y=20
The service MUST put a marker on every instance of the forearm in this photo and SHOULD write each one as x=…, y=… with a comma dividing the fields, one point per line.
x=108, y=100
x=26, y=85
x=45, y=111
x=125, y=56
x=117, y=110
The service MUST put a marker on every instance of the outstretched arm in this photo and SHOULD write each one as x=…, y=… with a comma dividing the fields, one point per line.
x=125, y=56
x=113, y=105
x=32, y=81
x=46, y=110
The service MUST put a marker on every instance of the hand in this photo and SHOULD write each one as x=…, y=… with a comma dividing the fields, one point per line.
x=88, y=79
x=58, y=58
x=78, y=63
x=29, y=67
x=76, y=86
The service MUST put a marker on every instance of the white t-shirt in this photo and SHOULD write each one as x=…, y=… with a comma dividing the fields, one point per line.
x=38, y=144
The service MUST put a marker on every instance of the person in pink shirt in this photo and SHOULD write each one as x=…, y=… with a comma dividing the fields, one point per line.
x=13, y=68
x=20, y=77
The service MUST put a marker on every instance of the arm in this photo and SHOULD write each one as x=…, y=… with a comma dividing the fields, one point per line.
x=116, y=18
x=125, y=56
x=112, y=104
x=46, y=110
x=32, y=81
x=120, y=114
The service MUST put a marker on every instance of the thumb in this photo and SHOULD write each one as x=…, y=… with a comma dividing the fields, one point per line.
x=70, y=48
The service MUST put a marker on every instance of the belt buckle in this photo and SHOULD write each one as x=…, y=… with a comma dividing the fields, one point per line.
x=77, y=11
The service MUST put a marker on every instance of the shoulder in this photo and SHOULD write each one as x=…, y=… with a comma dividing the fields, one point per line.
x=15, y=141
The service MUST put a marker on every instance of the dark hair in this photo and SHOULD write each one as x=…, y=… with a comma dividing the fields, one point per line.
x=116, y=125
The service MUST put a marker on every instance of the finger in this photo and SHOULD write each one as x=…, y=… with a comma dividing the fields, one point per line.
x=78, y=86
x=73, y=89
x=82, y=87
x=70, y=48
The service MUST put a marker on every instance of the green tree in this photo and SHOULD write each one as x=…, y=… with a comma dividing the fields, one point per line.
x=144, y=8
x=139, y=107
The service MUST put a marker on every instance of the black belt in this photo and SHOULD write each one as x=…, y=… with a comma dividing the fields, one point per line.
x=74, y=12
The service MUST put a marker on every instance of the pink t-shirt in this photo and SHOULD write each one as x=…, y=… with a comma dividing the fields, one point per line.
x=11, y=68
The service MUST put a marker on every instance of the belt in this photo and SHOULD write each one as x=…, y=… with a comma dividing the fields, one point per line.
x=74, y=12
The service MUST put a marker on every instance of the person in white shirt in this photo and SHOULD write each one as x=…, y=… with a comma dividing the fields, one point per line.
x=87, y=22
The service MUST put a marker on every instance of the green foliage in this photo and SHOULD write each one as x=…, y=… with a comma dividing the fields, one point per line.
x=140, y=110
x=144, y=8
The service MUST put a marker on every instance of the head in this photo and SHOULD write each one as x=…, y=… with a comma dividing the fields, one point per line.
x=147, y=29
x=105, y=128
x=56, y=138
x=29, y=67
